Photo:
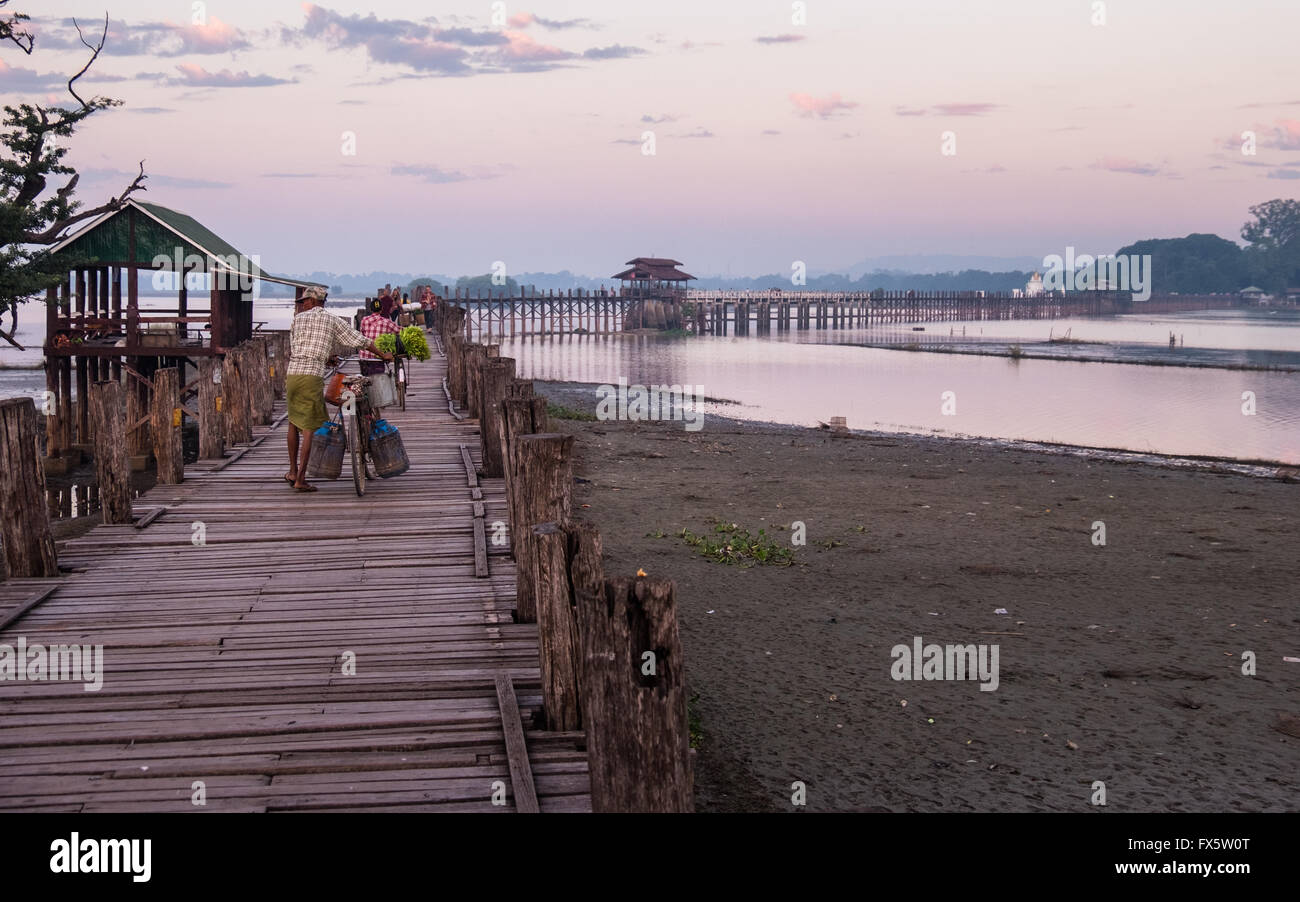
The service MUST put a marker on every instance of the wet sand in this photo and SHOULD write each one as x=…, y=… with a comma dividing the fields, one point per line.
x=1119, y=663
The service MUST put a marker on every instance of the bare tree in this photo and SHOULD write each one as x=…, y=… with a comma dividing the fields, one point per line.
x=31, y=220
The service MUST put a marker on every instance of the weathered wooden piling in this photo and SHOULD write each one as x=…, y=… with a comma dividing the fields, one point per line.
x=543, y=473
x=25, y=526
x=234, y=398
x=555, y=578
x=212, y=430
x=496, y=376
x=112, y=462
x=633, y=698
x=166, y=416
x=519, y=417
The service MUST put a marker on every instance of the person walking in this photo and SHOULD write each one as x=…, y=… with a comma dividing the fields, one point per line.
x=373, y=326
x=313, y=339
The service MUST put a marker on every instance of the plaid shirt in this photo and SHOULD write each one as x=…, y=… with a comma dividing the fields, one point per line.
x=313, y=339
x=373, y=326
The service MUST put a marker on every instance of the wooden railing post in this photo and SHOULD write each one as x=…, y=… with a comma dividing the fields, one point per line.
x=212, y=431
x=112, y=463
x=234, y=398
x=576, y=547
x=634, y=698
x=497, y=375
x=165, y=412
x=519, y=417
x=475, y=355
x=543, y=473
x=25, y=526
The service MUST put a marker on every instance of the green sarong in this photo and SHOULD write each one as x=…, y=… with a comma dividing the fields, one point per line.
x=306, y=397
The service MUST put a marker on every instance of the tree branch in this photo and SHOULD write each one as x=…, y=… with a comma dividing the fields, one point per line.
x=51, y=234
x=94, y=55
x=11, y=30
x=13, y=327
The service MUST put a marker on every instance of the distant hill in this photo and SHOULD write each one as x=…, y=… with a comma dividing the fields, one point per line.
x=1197, y=263
x=935, y=264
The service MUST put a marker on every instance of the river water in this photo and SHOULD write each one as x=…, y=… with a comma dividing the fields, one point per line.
x=870, y=377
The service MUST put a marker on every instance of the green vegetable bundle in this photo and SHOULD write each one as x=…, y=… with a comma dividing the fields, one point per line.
x=387, y=342
x=413, y=339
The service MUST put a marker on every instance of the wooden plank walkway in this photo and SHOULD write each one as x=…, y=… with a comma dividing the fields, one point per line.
x=225, y=662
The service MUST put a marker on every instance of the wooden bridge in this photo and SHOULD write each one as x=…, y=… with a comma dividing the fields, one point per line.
x=727, y=312
x=266, y=650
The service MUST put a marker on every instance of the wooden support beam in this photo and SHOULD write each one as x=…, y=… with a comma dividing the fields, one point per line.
x=634, y=698
x=168, y=449
x=112, y=462
x=560, y=652
x=543, y=470
x=496, y=376
x=212, y=433
x=25, y=526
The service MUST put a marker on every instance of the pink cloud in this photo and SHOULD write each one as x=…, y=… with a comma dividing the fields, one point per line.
x=521, y=20
x=1288, y=134
x=522, y=48
x=1124, y=164
x=821, y=107
x=965, y=109
x=215, y=37
x=195, y=76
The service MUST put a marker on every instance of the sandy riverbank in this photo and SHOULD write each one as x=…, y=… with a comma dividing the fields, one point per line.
x=1120, y=663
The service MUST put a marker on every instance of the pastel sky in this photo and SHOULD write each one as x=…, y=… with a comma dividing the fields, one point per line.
x=775, y=141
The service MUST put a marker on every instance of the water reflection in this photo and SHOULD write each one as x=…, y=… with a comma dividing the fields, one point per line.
x=1171, y=410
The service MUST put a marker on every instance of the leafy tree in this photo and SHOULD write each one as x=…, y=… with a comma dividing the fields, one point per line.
x=1274, y=252
x=1197, y=264
x=31, y=157
x=477, y=285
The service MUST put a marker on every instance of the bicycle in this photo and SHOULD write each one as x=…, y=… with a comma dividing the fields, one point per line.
x=401, y=369
x=359, y=419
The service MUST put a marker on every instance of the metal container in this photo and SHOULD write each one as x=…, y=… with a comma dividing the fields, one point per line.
x=388, y=453
x=326, y=460
x=383, y=393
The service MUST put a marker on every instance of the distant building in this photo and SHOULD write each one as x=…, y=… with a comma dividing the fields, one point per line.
x=1035, y=285
x=1254, y=294
x=654, y=272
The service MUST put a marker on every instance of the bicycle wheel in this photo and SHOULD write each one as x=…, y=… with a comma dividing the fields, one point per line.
x=358, y=454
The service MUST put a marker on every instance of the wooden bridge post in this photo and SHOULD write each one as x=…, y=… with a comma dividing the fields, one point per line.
x=475, y=356
x=112, y=463
x=25, y=526
x=568, y=566
x=260, y=400
x=520, y=416
x=234, y=397
x=165, y=411
x=638, y=737
x=543, y=474
x=497, y=374
x=212, y=433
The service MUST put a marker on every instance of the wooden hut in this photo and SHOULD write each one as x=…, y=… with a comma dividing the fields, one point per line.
x=96, y=331
x=657, y=288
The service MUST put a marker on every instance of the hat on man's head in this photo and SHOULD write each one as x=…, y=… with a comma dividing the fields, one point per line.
x=314, y=293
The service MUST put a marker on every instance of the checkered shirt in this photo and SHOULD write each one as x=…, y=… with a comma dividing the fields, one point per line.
x=373, y=326
x=314, y=338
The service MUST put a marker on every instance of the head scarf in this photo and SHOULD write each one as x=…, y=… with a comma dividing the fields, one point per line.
x=313, y=293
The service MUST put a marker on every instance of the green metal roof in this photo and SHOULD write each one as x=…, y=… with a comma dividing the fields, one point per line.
x=160, y=232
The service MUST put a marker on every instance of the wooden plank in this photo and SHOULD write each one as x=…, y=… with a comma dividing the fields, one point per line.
x=480, y=549
x=521, y=774
x=28, y=604
x=471, y=475
x=148, y=518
